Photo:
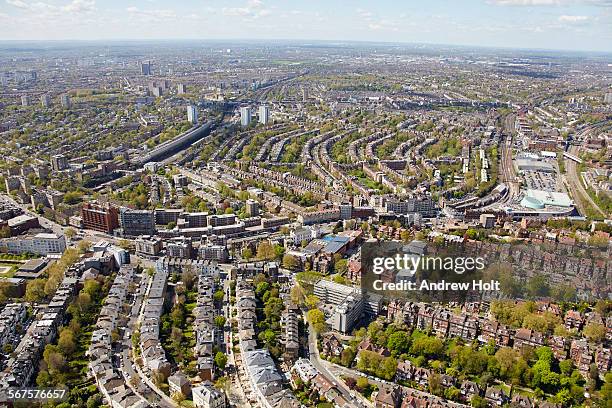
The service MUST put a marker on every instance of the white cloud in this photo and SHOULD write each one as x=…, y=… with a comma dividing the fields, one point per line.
x=364, y=13
x=527, y=2
x=40, y=8
x=383, y=25
x=80, y=6
x=253, y=10
x=600, y=3
x=18, y=3
x=573, y=19
x=151, y=15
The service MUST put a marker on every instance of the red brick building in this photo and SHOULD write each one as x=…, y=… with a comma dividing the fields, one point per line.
x=98, y=217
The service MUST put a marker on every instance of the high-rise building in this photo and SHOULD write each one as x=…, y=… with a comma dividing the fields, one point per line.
x=608, y=97
x=98, y=217
x=59, y=162
x=252, y=208
x=65, y=101
x=157, y=91
x=245, y=116
x=136, y=222
x=192, y=114
x=181, y=89
x=304, y=94
x=45, y=100
x=264, y=114
x=145, y=68
x=25, y=100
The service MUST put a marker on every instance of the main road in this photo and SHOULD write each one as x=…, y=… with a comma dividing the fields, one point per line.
x=321, y=366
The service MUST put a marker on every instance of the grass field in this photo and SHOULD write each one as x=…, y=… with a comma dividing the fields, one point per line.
x=8, y=269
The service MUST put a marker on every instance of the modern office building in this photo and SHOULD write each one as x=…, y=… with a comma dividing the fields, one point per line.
x=192, y=114
x=25, y=100
x=45, y=101
x=333, y=293
x=145, y=68
x=348, y=304
x=65, y=101
x=245, y=116
x=136, y=222
x=181, y=89
x=100, y=217
x=264, y=114
x=59, y=162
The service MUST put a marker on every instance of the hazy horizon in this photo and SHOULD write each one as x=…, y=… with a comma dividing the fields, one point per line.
x=556, y=25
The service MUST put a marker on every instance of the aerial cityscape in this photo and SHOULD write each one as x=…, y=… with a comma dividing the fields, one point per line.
x=353, y=215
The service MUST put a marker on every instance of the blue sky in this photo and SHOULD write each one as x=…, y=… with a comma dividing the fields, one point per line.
x=552, y=24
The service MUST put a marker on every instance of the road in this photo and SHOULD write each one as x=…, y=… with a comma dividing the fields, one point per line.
x=321, y=365
x=339, y=370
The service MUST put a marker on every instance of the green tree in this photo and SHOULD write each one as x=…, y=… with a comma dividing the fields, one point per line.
x=341, y=266
x=297, y=294
x=317, y=320
x=218, y=295
x=434, y=384
x=220, y=360
x=537, y=286
x=265, y=250
x=595, y=332
x=247, y=253
x=219, y=321
x=66, y=342
x=398, y=342
x=70, y=232
x=427, y=346
x=35, y=290
x=452, y=393
x=188, y=277
x=388, y=368
x=290, y=262
x=312, y=301
x=347, y=357
x=478, y=402
x=84, y=246
x=56, y=362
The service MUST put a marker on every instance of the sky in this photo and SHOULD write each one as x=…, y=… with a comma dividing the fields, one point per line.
x=584, y=25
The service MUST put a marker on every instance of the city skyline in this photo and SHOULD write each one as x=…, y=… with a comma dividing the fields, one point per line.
x=580, y=25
